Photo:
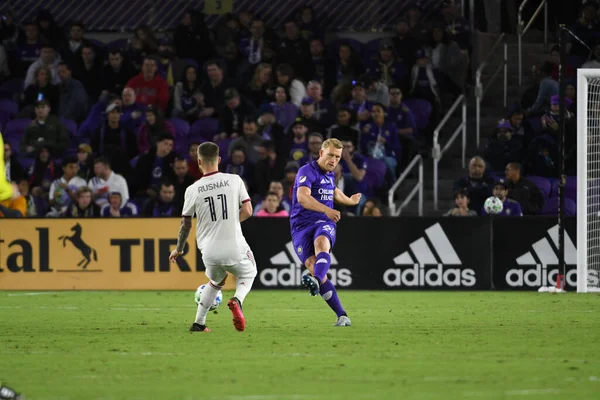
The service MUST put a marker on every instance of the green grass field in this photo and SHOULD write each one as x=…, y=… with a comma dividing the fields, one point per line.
x=417, y=345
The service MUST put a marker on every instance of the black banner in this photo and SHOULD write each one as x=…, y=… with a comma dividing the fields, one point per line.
x=526, y=253
x=382, y=253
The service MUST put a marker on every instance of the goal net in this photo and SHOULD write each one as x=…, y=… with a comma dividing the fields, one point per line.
x=588, y=180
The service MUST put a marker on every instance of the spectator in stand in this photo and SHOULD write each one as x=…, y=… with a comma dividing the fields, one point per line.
x=170, y=67
x=277, y=188
x=405, y=44
x=551, y=119
x=315, y=141
x=85, y=162
x=259, y=91
x=424, y=84
x=88, y=69
x=270, y=207
x=268, y=169
x=48, y=58
x=447, y=61
x=324, y=110
x=548, y=88
x=344, y=128
x=63, y=191
x=132, y=113
x=285, y=112
x=115, y=142
x=308, y=116
x=285, y=78
x=164, y=204
x=96, y=116
x=238, y=164
x=182, y=179
x=41, y=174
x=188, y=100
x=372, y=209
x=193, y=167
x=554, y=59
x=522, y=129
x=147, y=38
x=381, y=140
x=117, y=72
x=232, y=115
x=106, y=181
x=34, y=205
x=154, y=167
x=416, y=23
x=41, y=85
x=45, y=130
x=594, y=61
x=323, y=67
x=83, y=207
x=377, y=92
x=290, y=171
x=14, y=171
x=72, y=49
x=400, y=114
x=526, y=193
x=150, y=88
x=586, y=28
x=309, y=26
x=14, y=207
x=299, y=144
x=4, y=67
x=294, y=50
x=116, y=208
x=154, y=127
x=386, y=68
x=478, y=184
x=348, y=66
x=214, y=88
x=359, y=104
x=461, y=208
x=354, y=169
x=252, y=48
x=502, y=147
x=456, y=26
x=50, y=32
x=510, y=208
x=192, y=37
x=29, y=46
x=73, y=97
x=249, y=142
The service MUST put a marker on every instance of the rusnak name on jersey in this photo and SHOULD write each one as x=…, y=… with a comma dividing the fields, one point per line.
x=212, y=186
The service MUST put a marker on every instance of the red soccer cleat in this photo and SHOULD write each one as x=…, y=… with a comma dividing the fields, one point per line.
x=239, y=322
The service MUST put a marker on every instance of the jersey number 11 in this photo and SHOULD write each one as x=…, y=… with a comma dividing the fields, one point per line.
x=211, y=205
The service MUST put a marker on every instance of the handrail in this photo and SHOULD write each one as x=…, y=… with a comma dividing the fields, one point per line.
x=521, y=31
x=418, y=160
x=438, y=153
x=480, y=90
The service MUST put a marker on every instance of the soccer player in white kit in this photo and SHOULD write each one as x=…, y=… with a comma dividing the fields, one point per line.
x=220, y=202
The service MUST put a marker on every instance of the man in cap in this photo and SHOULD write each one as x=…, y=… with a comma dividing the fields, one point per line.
x=510, y=207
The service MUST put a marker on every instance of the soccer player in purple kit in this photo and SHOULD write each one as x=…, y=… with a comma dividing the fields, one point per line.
x=313, y=222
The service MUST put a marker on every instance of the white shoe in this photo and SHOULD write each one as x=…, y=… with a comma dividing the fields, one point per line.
x=343, y=321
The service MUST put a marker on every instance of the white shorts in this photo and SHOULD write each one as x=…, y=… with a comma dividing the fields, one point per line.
x=245, y=269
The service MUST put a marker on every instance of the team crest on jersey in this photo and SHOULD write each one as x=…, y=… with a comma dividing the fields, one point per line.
x=507, y=211
x=302, y=179
x=299, y=250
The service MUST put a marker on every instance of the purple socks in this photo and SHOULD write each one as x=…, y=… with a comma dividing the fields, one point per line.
x=330, y=296
x=322, y=266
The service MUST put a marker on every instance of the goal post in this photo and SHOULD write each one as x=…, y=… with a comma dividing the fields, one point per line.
x=588, y=180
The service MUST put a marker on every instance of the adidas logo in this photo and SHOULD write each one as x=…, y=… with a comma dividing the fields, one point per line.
x=427, y=269
x=545, y=253
x=291, y=274
x=324, y=181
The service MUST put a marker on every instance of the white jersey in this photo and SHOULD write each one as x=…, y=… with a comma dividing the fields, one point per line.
x=216, y=199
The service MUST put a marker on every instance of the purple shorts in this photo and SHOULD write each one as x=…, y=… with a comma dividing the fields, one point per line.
x=304, y=240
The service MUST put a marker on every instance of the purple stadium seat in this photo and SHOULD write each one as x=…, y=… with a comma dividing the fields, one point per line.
x=120, y=44
x=26, y=162
x=14, y=131
x=5, y=117
x=375, y=176
x=182, y=130
x=542, y=183
x=551, y=207
x=205, y=128
x=9, y=88
x=333, y=47
x=9, y=106
x=224, y=147
x=421, y=109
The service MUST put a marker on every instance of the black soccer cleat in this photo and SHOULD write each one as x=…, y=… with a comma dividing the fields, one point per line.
x=198, y=328
x=312, y=283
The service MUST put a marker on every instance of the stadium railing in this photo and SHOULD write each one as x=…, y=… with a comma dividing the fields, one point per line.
x=396, y=211
x=522, y=29
x=480, y=89
x=438, y=153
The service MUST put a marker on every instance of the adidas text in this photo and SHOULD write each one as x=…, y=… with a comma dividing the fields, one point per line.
x=292, y=276
x=541, y=276
x=432, y=277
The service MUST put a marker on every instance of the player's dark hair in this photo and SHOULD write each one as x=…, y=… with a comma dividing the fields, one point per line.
x=208, y=151
x=102, y=160
x=165, y=183
x=69, y=160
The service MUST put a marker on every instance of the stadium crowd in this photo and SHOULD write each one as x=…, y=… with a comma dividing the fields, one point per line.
x=95, y=129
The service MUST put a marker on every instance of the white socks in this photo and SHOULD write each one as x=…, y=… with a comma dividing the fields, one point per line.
x=206, y=300
x=242, y=288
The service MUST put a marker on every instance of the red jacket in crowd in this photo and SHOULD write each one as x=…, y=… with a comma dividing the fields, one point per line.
x=154, y=92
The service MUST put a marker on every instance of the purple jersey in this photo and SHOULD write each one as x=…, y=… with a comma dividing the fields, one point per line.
x=510, y=208
x=322, y=186
x=298, y=150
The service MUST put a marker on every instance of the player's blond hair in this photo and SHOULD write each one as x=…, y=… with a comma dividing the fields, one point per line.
x=208, y=152
x=333, y=142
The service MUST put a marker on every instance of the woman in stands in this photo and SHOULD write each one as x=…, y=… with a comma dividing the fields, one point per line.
x=154, y=127
x=380, y=140
x=260, y=90
x=188, y=101
x=42, y=86
x=285, y=78
x=285, y=111
x=348, y=66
